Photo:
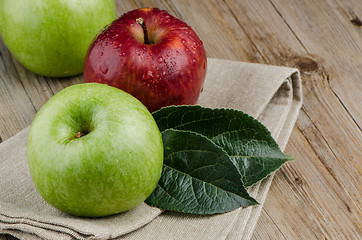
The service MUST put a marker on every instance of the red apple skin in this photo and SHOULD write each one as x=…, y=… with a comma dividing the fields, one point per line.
x=168, y=71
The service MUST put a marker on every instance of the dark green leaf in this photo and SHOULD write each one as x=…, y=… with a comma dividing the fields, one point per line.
x=254, y=156
x=198, y=177
x=248, y=142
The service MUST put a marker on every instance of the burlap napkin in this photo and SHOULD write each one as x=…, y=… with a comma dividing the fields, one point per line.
x=271, y=94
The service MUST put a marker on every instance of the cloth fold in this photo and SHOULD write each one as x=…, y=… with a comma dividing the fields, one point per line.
x=270, y=93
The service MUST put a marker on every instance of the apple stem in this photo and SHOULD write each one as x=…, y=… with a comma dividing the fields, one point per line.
x=79, y=134
x=141, y=22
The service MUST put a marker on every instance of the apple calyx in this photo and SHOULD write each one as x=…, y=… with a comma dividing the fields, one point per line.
x=141, y=22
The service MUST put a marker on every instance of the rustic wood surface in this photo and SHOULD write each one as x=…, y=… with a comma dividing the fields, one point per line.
x=317, y=196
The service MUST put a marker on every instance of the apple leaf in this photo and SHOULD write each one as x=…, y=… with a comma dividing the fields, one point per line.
x=198, y=177
x=248, y=142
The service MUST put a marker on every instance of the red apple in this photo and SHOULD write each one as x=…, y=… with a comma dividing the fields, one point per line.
x=150, y=54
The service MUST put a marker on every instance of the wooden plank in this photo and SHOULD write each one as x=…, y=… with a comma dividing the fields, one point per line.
x=325, y=29
x=307, y=189
x=275, y=39
x=16, y=108
x=226, y=40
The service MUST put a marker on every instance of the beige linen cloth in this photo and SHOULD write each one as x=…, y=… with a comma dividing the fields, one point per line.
x=271, y=94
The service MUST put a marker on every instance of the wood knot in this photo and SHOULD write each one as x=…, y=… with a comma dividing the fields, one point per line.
x=305, y=64
x=356, y=21
x=298, y=181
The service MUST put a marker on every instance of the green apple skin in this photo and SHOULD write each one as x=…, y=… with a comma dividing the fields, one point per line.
x=51, y=37
x=113, y=166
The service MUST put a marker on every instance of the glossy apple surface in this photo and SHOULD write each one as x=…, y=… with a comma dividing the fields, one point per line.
x=167, y=68
x=94, y=150
x=51, y=37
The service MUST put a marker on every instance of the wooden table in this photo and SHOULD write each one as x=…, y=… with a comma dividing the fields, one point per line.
x=317, y=196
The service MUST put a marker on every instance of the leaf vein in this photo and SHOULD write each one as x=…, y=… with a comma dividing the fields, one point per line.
x=204, y=181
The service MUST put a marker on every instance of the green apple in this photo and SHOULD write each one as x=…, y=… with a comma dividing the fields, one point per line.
x=94, y=150
x=51, y=37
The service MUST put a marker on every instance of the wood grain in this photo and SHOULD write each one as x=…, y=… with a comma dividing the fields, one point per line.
x=317, y=196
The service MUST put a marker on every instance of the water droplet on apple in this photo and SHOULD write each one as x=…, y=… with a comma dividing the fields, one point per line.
x=160, y=59
x=163, y=73
x=103, y=68
x=183, y=41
